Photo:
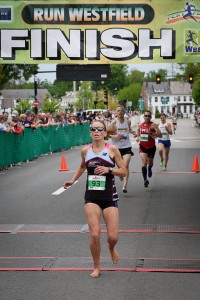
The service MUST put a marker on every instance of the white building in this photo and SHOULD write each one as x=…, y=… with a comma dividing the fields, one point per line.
x=169, y=97
x=9, y=98
x=69, y=99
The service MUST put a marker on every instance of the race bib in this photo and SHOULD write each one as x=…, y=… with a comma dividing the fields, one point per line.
x=144, y=137
x=164, y=135
x=96, y=183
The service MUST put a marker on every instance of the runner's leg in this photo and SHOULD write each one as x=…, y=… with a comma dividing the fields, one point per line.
x=111, y=218
x=144, y=158
x=126, y=159
x=160, y=149
x=167, y=149
x=93, y=213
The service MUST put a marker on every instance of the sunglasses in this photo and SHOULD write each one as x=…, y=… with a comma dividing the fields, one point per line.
x=96, y=128
x=147, y=116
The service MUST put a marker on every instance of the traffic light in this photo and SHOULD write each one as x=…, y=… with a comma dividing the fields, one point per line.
x=106, y=94
x=191, y=78
x=158, y=78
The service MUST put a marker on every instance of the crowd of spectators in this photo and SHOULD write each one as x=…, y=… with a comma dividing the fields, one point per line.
x=16, y=123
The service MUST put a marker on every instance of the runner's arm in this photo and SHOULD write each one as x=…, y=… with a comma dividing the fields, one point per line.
x=121, y=170
x=111, y=131
x=131, y=130
x=155, y=131
x=169, y=128
x=79, y=171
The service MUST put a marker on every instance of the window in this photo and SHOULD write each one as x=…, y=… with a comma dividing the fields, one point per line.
x=185, y=108
x=156, y=99
x=184, y=99
x=191, y=111
x=179, y=98
x=191, y=98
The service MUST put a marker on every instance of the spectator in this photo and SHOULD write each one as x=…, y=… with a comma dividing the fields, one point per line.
x=1, y=123
x=22, y=119
x=15, y=113
x=58, y=119
x=4, y=123
x=45, y=120
x=71, y=120
x=6, y=115
x=16, y=125
x=51, y=119
x=28, y=121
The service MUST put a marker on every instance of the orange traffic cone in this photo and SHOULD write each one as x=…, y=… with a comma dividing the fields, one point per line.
x=195, y=167
x=63, y=166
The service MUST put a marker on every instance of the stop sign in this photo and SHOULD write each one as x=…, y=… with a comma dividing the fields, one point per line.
x=36, y=103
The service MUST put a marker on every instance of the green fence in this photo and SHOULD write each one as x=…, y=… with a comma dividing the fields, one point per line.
x=33, y=143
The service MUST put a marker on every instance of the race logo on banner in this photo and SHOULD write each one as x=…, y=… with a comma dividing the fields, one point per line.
x=192, y=42
x=5, y=14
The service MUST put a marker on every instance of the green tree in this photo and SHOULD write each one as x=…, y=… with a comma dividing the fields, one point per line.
x=51, y=106
x=15, y=73
x=131, y=93
x=85, y=95
x=151, y=76
x=191, y=69
x=117, y=80
x=135, y=76
x=196, y=92
x=23, y=105
x=57, y=88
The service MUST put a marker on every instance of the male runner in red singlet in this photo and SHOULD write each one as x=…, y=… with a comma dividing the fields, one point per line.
x=146, y=134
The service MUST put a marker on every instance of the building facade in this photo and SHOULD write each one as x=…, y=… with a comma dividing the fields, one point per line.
x=9, y=98
x=169, y=98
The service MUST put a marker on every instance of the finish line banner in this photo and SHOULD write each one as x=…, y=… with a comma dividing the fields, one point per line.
x=103, y=32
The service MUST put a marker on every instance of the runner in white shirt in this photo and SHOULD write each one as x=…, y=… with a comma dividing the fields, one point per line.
x=119, y=130
x=164, y=142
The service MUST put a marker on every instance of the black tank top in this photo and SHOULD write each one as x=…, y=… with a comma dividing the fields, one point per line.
x=99, y=187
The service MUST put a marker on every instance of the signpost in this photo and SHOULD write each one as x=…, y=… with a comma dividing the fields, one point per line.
x=140, y=103
x=36, y=103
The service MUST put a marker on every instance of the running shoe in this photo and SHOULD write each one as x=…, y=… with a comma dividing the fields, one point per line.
x=146, y=183
x=149, y=172
x=124, y=189
x=161, y=163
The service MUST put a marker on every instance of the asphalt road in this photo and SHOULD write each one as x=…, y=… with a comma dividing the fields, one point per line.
x=172, y=199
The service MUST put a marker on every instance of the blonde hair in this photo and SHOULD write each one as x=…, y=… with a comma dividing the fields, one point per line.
x=120, y=106
x=99, y=121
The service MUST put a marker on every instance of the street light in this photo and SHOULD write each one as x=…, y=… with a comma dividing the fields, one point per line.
x=82, y=96
x=158, y=78
x=35, y=92
x=150, y=104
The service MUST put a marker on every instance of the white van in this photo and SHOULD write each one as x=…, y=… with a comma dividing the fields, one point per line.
x=93, y=111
